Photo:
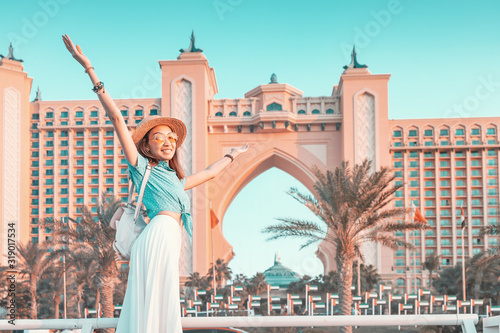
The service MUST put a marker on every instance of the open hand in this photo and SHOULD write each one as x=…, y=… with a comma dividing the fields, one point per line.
x=76, y=52
x=236, y=151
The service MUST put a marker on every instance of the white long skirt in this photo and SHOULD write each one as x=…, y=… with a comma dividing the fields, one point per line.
x=152, y=303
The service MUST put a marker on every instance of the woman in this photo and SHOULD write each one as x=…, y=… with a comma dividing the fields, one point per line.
x=151, y=301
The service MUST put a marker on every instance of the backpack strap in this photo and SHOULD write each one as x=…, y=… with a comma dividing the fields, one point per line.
x=141, y=193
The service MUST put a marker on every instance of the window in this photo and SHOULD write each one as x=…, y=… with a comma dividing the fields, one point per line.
x=412, y=133
x=232, y=114
x=413, y=173
x=218, y=114
x=246, y=114
x=491, y=152
x=153, y=112
x=414, y=183
x=301, y=112
x=428, y=133
x=413, y=164
x=428, y=154
x=459, y=132
x=124, y=113
x=396, y=134
x=330, y=111
x=429, y=193
x=413, y=154
x=138, y=113
x=398, y=164
x=315, y=111
x=93, y=114
x=428, y=164
x=398, y=154
x=443, y=132
x=79, y=114
x=474, y=131
x=413, y=194
x=459, y=173
x=490, y=131
x=274, y=107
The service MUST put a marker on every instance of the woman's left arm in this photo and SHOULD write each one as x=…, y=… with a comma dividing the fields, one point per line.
x=213, y=169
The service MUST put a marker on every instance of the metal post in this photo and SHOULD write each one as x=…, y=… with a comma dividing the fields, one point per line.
x=463, y=266
x=64, y=282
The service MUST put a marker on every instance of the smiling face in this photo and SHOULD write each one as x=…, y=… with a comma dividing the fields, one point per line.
x=162, y=142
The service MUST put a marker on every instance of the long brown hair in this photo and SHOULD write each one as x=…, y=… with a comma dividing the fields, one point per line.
x=173, y=163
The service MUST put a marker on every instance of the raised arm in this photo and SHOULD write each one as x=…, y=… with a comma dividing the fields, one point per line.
x=114, y=114
x=213, y=169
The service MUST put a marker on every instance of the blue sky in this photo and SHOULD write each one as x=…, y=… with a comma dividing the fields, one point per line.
x=442, y=57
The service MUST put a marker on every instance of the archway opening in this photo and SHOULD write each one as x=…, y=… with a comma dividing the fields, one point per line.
x=257, y=206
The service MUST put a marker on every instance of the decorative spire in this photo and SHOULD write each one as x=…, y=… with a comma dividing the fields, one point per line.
x=354, y=62
x=38, y=96
x=277, y=258
x=192, y=47
x=10, y=56
x=274, y=78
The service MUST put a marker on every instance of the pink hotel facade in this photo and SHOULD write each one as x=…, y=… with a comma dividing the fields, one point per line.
x=59, y=155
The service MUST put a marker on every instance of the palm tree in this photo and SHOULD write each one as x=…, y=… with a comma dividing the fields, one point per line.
x=449, y=281
x=81, y=268
x=369, y=277
x=431, y=264
x=52, y=287
x=353, y=206
x=93, y=234
x=222, y=272
x=257, y=284
x=329, y=282
x=34, y=260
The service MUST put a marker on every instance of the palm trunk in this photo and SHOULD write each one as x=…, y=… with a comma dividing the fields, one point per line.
x=345, y=293
x=34, y=305
x=79, y=292
x=97, y=299
x=107, y=291
x=57, y=303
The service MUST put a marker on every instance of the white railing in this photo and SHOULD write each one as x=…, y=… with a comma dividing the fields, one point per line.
x=466, y=321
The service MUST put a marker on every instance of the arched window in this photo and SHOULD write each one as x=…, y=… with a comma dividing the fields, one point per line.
x=301, y=112
x=218, y=114
x=232, y=114
x=330, y=111
x=400, y=282
x=247, y=114
x=315, y=111
x=274, y=107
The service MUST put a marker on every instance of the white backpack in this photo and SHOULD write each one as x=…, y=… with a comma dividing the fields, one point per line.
x=127, y=221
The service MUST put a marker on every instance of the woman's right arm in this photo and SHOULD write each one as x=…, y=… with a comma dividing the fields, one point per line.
x=114, y=114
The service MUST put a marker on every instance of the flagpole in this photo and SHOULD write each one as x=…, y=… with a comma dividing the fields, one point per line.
x=463, y=253
x=213, y=260
x=414, y=247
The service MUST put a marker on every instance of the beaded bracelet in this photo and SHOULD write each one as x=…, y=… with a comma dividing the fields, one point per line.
x=230, y=156
x=99, y=85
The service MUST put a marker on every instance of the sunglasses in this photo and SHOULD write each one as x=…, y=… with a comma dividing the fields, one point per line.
x=161, y=138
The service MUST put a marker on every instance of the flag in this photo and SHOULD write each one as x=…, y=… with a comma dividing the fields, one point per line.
x=463, y=217
x=417, y=216
x=213, y=218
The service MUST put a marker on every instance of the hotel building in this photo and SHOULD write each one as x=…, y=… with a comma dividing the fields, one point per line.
x=59, y=155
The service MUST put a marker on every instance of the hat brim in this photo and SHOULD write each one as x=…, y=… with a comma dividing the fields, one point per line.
x=145, y=125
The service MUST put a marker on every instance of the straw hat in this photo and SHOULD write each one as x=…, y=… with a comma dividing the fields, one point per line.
x=148, y=123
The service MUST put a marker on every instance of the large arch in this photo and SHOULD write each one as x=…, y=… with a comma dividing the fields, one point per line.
x=224, y=189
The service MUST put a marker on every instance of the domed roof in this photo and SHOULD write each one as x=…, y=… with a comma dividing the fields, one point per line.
x=279, y=275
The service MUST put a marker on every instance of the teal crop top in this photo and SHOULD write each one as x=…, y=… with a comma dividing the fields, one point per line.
x=164, y=191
